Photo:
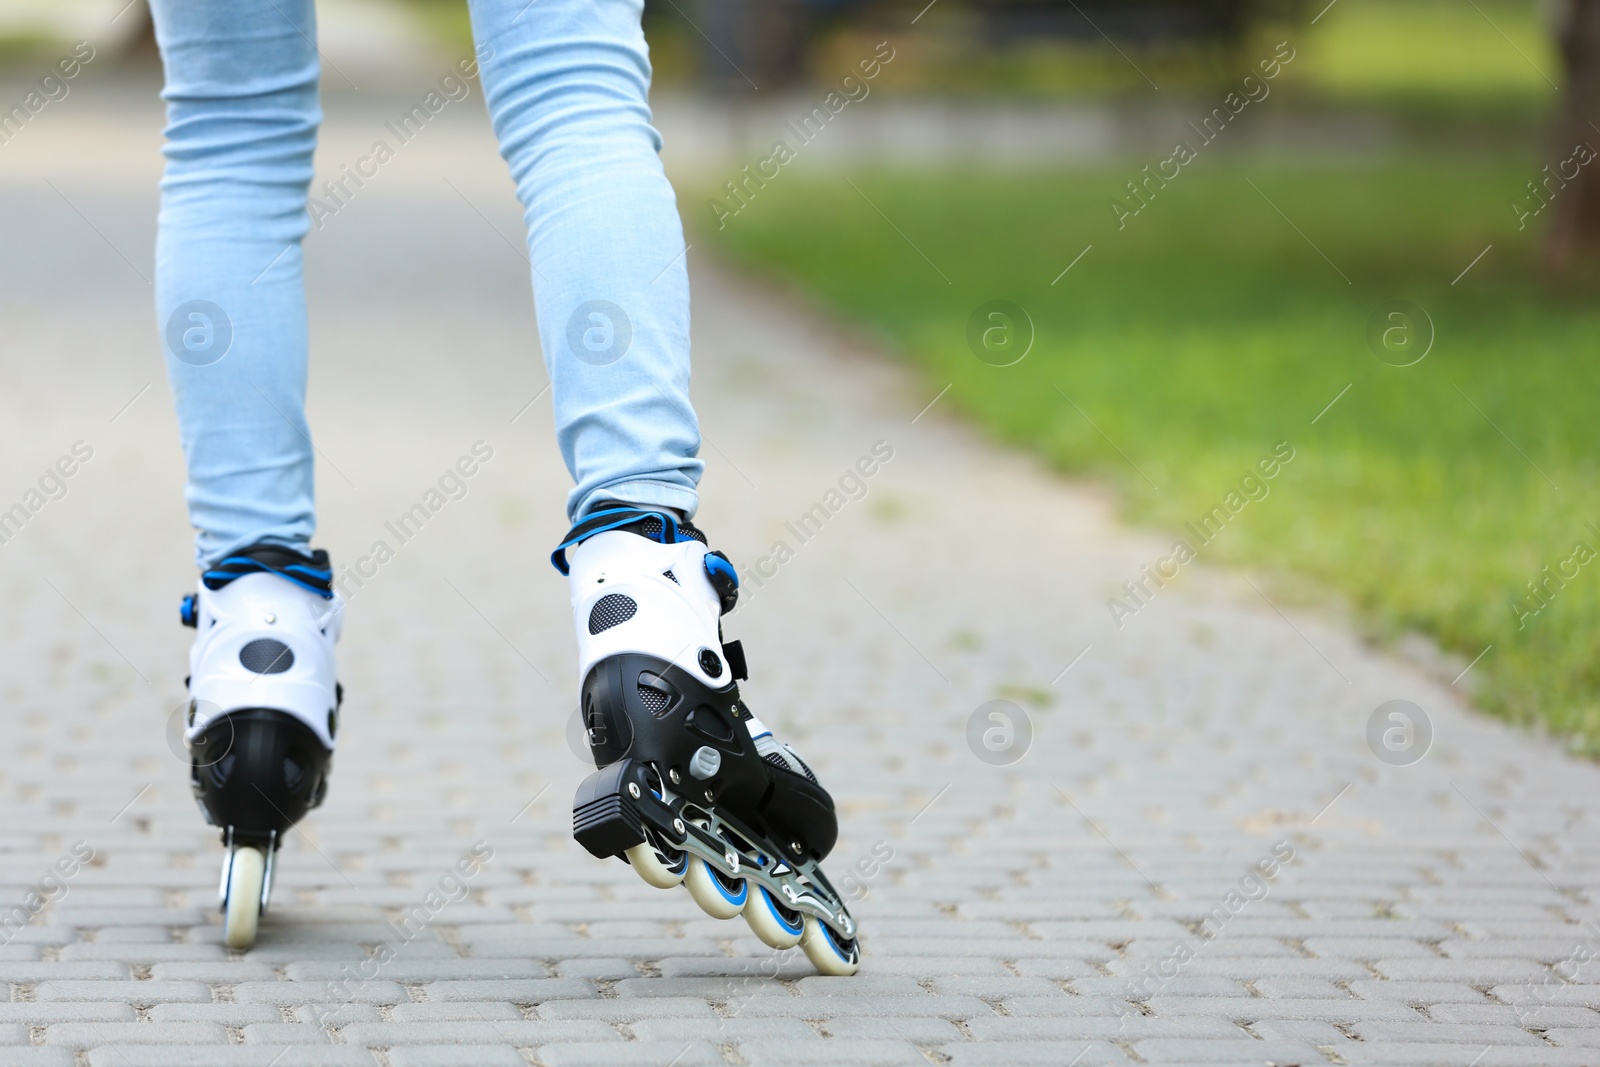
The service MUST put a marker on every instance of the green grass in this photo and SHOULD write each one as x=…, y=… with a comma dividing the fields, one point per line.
x=20, y=52
x=446, y=20
x=1486, y=50
x=1209, y=329
x=1497, y=56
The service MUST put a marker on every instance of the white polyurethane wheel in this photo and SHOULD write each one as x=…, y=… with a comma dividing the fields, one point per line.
x=243, y=913
x=777, y=926
x=827, y=953
x=649, y=865
x=716, y=895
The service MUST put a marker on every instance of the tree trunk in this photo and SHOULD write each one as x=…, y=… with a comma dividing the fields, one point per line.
x=1574, y=231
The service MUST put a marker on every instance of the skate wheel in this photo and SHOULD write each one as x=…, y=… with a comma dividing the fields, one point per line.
x=649, y=864
x=777, y=926
x=718, y=895
x=242, y=912
x=829, y=953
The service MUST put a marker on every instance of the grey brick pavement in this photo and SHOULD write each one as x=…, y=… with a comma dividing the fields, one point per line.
x=1090, y=904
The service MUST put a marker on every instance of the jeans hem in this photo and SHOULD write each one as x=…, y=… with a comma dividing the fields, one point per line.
x=299, y=544
x=661, y=494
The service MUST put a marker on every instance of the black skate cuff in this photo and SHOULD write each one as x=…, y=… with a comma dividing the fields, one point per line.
x=657, y=524
x=311, y=572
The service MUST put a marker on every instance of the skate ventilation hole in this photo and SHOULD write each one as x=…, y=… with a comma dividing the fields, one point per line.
x=265, y=655
x=293, y=772
x=654, y=700
x=221, y=769
x=613, y=609
x=709, y=724
x=674, y=577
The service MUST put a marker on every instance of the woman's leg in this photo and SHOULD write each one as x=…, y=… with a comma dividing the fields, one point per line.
x=567, y=83
x=263, y=706
x=242, y=116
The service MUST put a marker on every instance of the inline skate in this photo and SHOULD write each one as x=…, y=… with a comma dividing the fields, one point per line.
x=691, y=788
x=263, y=711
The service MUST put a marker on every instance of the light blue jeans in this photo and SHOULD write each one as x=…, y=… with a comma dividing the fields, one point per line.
x=566, y=83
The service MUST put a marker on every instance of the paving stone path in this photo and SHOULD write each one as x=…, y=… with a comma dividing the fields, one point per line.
x=1177, y=847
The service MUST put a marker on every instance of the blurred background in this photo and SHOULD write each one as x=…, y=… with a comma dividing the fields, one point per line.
x=1149, y=240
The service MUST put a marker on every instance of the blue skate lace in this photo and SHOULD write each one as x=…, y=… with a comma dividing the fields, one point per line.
x=310, y=573
x=614, y=516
